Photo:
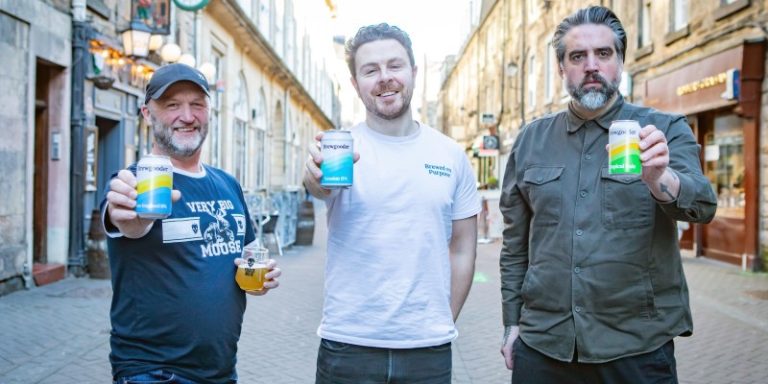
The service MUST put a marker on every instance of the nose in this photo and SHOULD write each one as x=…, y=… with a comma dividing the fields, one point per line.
x=384, y=75
x=185, y=114
x=590, y=64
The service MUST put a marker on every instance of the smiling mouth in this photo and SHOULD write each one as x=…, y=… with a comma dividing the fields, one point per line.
x=385, y=94
x=185, y=129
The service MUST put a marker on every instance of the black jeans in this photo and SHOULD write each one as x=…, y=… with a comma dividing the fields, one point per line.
x=342, y=363
x=532, y=367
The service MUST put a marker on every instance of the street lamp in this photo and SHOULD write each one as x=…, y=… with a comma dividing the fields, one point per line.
x=155, y=42
x=170, y=53
x=209, y=71
x=136, y=39
x=187, y=59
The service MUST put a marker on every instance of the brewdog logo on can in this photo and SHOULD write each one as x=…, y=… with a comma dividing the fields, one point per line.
x=155, y=182
x=624, y=146
x=336, y=147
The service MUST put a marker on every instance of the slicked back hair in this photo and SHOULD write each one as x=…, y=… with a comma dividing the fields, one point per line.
x=376, y=32
x=591, y=15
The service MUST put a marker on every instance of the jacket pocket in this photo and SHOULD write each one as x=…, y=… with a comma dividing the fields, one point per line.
x=627, y=202
x=544, y=189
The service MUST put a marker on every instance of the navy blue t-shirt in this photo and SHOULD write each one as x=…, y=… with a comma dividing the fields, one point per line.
x=175, y=304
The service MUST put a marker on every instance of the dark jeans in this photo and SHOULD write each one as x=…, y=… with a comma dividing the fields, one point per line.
x=532, y=367
x=154, y=377
x=342, y=363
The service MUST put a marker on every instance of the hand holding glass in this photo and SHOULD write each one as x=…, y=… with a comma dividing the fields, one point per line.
x=250, y=273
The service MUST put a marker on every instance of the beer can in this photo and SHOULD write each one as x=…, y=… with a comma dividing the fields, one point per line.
x=155, y=182
x=336, y=147
x=624, y=148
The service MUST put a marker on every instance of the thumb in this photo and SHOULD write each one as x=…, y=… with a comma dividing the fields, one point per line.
x=175, y=195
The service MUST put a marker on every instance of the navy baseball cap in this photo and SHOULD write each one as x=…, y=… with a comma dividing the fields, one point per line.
x=170, y=74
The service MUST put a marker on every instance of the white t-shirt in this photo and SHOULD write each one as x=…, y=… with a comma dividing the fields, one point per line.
x=388, y=273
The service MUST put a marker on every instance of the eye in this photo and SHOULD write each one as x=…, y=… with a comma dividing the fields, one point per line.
x=576, y=57
x=604, y=52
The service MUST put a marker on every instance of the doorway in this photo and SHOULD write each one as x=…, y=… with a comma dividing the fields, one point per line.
x=45, y=74
x=108, y=154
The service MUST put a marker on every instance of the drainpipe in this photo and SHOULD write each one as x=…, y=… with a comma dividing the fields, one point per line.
x=80, y=37
x=523, y=61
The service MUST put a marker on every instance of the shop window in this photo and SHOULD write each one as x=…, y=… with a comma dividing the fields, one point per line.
x=724, y=164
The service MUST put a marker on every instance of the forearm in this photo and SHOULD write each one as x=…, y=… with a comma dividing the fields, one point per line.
x=667, y=187
x=462, y=272
x=463, y=251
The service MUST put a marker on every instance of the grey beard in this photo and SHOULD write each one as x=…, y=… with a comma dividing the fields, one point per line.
x=164, y=139
x=174, y=150
x=593, y=100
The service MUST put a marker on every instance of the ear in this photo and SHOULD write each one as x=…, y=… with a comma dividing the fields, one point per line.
x=560, y=70
x=145, y=112
x=415, y=71
x=354, y=84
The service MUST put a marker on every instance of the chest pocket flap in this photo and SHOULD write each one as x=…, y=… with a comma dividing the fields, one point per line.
x=539, y=175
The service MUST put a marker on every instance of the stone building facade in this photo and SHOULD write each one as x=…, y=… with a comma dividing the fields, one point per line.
x=682, y=57
x=35, y=46
x=71, y=112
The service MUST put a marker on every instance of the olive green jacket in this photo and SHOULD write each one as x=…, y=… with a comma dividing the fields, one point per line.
x=590, y=261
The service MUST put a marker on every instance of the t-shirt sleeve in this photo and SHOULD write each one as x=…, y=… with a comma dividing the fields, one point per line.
x=466, y=201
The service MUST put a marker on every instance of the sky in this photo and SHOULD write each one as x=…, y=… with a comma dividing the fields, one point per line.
x=437, y=27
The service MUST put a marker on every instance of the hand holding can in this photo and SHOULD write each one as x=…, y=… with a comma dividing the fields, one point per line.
x=624, y=148
x=154, y=174
x=338, y=158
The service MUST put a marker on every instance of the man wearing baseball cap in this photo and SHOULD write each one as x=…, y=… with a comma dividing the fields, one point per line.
x=176, y=309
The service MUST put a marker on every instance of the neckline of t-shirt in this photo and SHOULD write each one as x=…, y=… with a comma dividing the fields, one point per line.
x=394, y=139
x=195, y=175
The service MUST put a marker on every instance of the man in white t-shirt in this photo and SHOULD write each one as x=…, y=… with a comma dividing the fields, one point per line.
x=401, y=240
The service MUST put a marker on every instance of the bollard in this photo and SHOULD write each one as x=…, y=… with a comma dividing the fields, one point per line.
x=96, y=249
x=305, y=225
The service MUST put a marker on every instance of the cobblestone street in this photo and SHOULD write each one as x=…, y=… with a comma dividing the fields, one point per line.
x=279, y=344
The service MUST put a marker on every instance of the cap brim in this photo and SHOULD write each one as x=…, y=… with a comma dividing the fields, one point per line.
x=159, y=93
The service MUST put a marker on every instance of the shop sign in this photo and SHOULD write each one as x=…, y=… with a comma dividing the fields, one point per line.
x=730, y=78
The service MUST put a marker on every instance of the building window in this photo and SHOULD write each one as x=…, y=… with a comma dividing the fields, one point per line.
x=216, y=117
x=264, y=17
x=532, y=82
x=533, y=10
x=261, y=142
x=279, y=40
x=729, y=7
x=241, y=132
x=240, y=147
x=644, y=37
x=549, y=74
x=724, y=164
x=679, y=16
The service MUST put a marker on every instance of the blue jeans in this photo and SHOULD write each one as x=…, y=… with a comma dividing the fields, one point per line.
x=533, y=367
x=342, y=363
x=154, y=377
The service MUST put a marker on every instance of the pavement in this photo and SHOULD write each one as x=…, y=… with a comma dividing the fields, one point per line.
x=59, y=333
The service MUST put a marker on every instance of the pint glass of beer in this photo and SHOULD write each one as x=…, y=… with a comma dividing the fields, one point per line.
x=250, y=274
